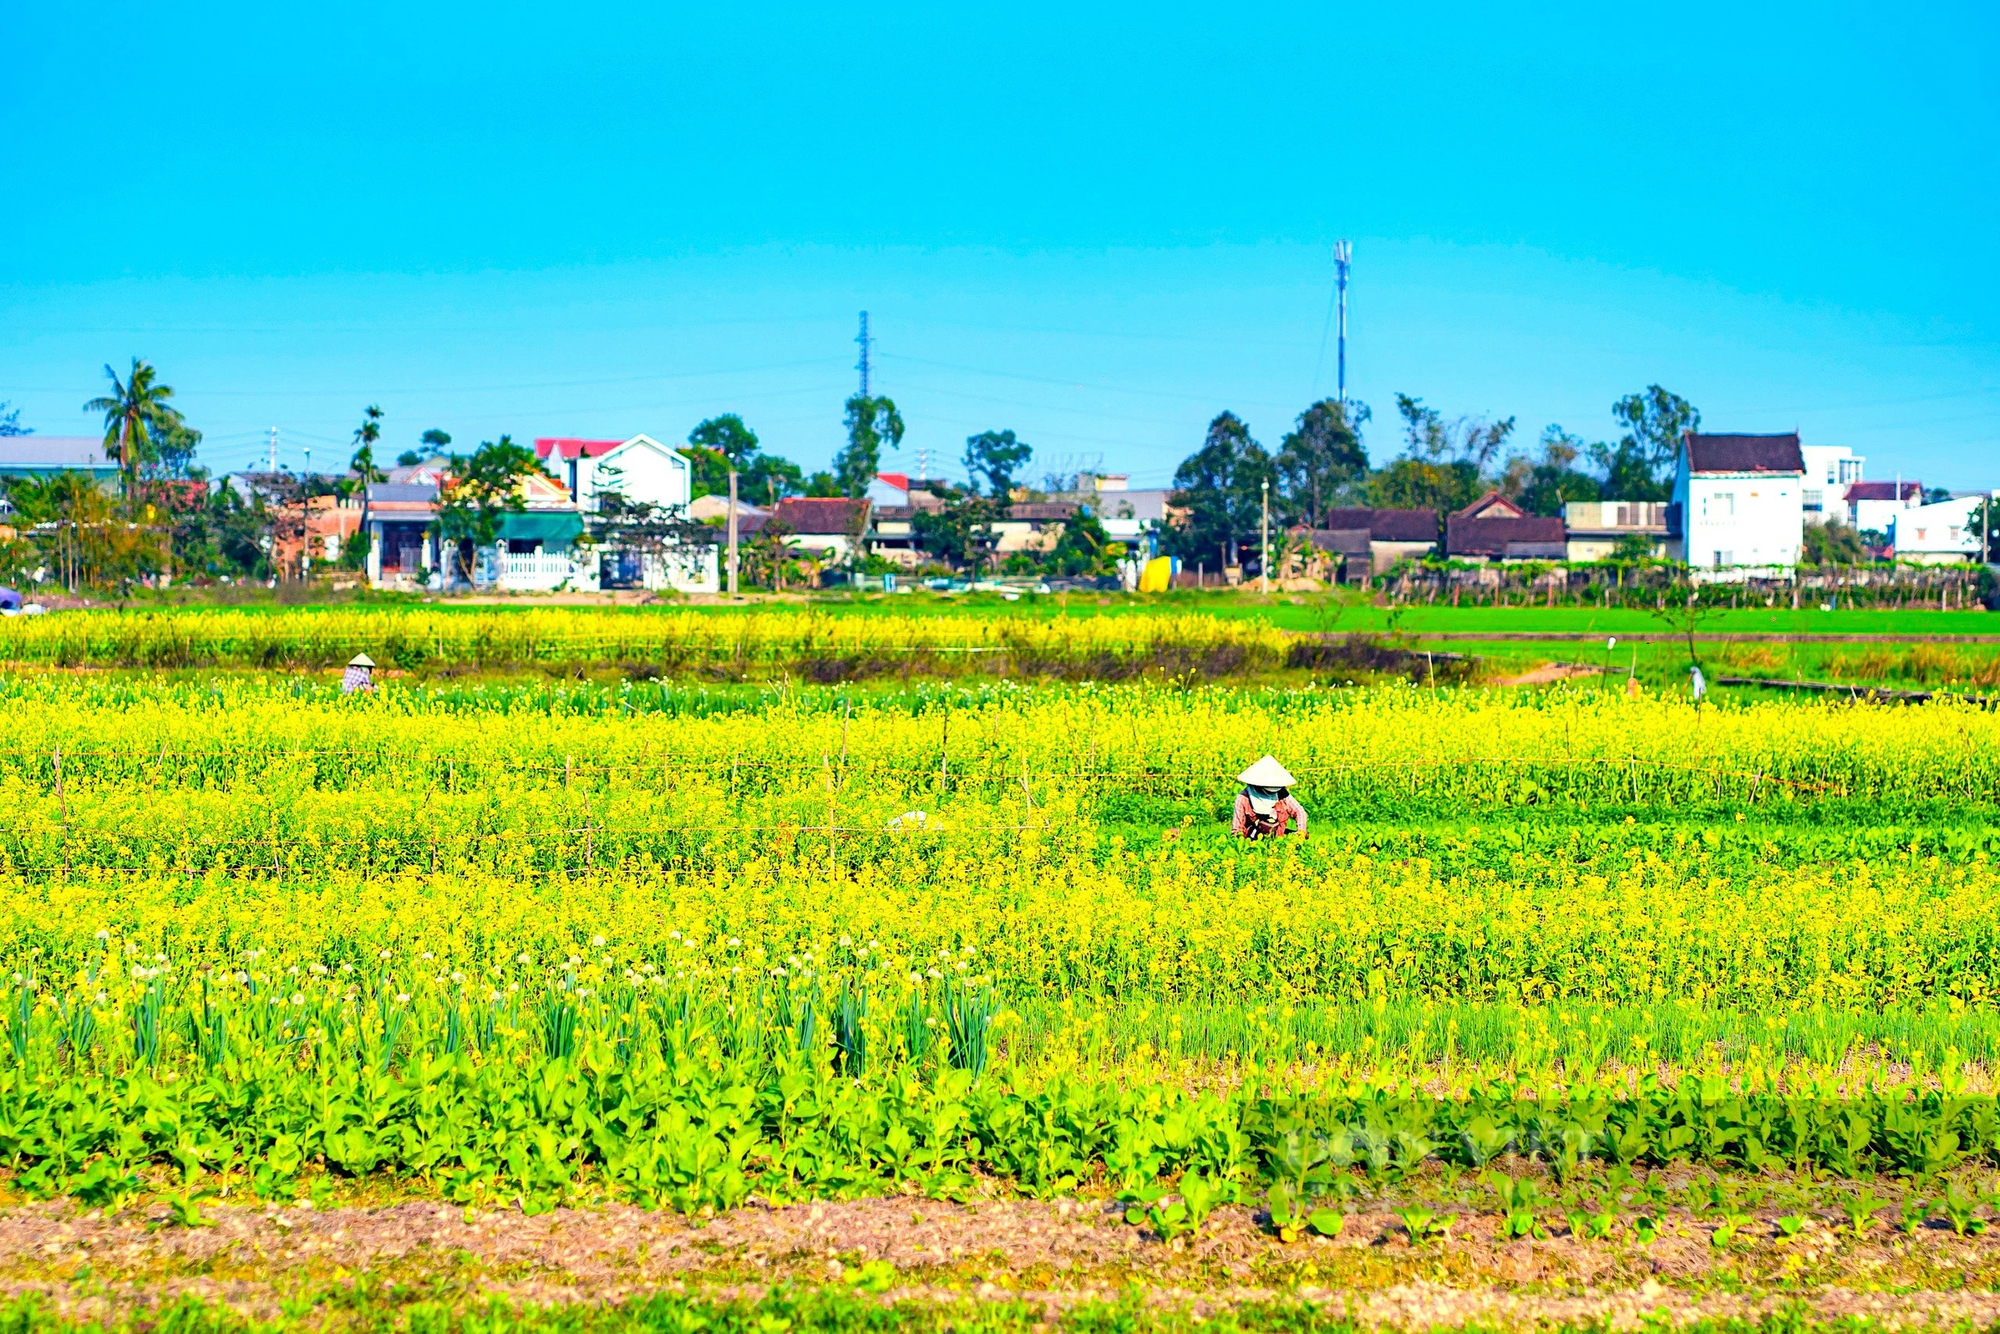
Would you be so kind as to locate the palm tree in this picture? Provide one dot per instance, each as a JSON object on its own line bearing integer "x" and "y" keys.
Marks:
{"x": 133, "y": 411}
{"x": 363, "y": 463}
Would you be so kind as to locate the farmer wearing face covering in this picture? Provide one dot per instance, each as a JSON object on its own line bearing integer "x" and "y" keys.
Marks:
{"x": 1265, "y": 805}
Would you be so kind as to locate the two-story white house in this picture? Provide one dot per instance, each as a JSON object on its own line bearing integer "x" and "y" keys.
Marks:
{"x": 641, "y": 469}
{"x": 1830, "y": 471}
{"x": 1737, "y": 506}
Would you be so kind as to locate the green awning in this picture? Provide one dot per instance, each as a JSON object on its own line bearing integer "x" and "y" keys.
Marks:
{"x": 554, "y": 529}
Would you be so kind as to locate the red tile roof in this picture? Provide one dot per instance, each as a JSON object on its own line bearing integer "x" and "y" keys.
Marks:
{"x": 570, "y": 447}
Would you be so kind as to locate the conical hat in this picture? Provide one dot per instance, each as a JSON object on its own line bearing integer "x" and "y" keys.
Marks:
{"x": 361, "y": 660}
{"x": 1266, "y": 772}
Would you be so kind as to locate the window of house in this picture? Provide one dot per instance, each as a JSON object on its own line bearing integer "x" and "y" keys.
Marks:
{"x": 1814, "y": 499}
{"x": 1724, "y": 558}
{"x": 1719, "y": 505}
{"x": 523, "y": 546}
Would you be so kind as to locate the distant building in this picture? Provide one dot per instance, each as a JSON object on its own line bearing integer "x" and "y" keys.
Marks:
{"x": 1946, "y": 533}
{"x": 1737, "y": 503}
{"x": 49, "y": 455}
{"x": 1338, "y": 555}
{"x": 1495, "y": 528}
{"x": 1830, "y": 471}
{"x": 641, "y": 469}
{"x": 401, "y": 549}
{"x": 1873, "y": 506}
{"x": 1595, "y": 527}
{"x": 832, "y": 529}
{"x": 1393, "y": 535}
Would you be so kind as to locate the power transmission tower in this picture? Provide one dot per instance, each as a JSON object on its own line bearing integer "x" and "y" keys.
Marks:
{"x": 274, "y": 451}
{"x": 1342, "y": 255}
{"x": 867, "y": 344}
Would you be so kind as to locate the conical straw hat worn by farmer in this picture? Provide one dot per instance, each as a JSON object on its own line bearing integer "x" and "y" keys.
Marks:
{"x": 1266, "y": 805}
{"x": 359, "y": 674}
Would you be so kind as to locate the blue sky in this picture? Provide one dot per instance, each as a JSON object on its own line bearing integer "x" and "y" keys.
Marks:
{"x": 1096, "y": 225}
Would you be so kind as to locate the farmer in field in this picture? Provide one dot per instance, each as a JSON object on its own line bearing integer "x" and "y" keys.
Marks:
{"x": 360, "y": 674}
{"x": 1266, "y": 805}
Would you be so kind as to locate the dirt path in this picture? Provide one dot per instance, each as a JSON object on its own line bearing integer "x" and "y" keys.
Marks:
{"x": 1054, "y": 1254}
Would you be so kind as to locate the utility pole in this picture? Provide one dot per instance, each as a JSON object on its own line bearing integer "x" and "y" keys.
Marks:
{"x": 1264, "y": 567}
{"x": 1343, "y": 253}
{"x": 732, "y": 532}
{"x": 866, "y": 344}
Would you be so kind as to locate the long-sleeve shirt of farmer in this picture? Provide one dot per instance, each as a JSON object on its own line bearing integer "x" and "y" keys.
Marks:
{"x": 1248, "y": 824}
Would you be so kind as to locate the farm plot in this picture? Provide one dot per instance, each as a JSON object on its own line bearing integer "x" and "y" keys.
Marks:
{"x": 1563, "y": 987}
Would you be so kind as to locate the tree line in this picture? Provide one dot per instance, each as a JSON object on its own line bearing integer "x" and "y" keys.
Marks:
{"x": 1443, "y": 463}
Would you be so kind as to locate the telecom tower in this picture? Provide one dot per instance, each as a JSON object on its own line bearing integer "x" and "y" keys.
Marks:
{"x": 1342, "y": 255}
{"x": 867, "y": 344}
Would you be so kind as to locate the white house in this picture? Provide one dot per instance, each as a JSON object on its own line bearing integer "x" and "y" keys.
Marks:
{"x": 1873, "y": 506}
{"x": 1737, "y": 504}
{"x": 641, "y": 469}
{"x": 1830, "y": 471}
{"x": 1946, "y": 533}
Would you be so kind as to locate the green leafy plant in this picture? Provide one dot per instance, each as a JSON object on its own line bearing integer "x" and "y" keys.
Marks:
{"x": 1860, "y": 1209}
{"x": 1421, "y": 1224}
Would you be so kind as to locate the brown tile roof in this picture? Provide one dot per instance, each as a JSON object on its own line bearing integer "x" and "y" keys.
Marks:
{"x": 1530, "y": 536}
{"x": 1042, "y": 510}
{"x": 821, "y": 517}
{"x": 1745, "y": 453}
{"x": 1339, "y": 541}
{"x": 1883, "y": 490}
{"x": 1387, "y": 525}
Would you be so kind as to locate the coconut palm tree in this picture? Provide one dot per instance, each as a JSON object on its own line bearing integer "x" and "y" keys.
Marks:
{"x": 133, "y": 411}
{"x": 363, "y": 465}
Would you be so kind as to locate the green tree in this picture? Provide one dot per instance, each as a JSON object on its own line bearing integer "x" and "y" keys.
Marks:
{"x": 1084, "y": 550}
{"x": 478, "y": 491}
{"x": 1543, "y": 484}
{"x": 174, "y": 446}
{"x": 435, "y": 440}
{"x": 1443, "y": 464}
{"x": 1641, "y": 465}
{"x": 871, "y": 423}
{"x": 721, "y": 444}
{"x": 10, "y": 421}
{"x": 962, "y": 530}
{"x": 366, "y": 474}
{"x": 1831, "y": 543}
{"x": 1321, "y": 458}
{"x": 1985, "y": 518}
{"x": 991, "y": 460}
{"x": 134, "y": 411}
{"x": 1220, "y": 487}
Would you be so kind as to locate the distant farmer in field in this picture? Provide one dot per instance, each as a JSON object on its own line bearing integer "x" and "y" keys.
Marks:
{"x": 360, "y": 674}
{"x": 1265, "y": 805}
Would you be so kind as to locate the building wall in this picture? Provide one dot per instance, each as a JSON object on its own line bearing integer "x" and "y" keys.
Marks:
{"x": 1941, "y": 533}
{"x": 648, "y": 472}
{"x": 1734, "y": 520}
{"x": 1830, "y": 469}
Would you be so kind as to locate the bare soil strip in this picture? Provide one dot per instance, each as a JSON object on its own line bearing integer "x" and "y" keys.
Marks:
{"x": 1055, "y": 1254}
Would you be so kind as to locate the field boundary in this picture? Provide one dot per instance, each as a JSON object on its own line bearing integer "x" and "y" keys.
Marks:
{"x": 1670, "y": 637}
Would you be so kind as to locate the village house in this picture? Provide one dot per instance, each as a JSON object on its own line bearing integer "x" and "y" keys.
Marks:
{"x": 1945, "y": 533}
{"x": 1594, "y": 528}
{"x": 1393, "y": 535}
{"x": 1737, "y": 505}
{"x": 830, "y": 529}
{"x": 1494, "y": 528}
{"x": 1874, "y": 506}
